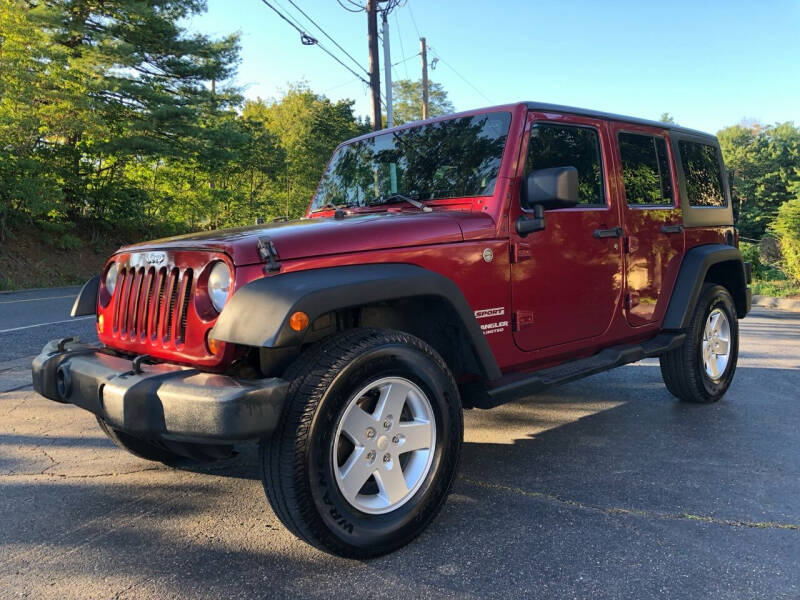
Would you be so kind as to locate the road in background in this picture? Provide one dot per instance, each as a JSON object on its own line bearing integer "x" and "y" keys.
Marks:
{"x": 604, "y": 488}
{"x": 29, "y": 319}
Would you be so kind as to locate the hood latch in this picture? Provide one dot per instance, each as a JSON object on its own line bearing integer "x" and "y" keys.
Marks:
{"x": 269, "y": 254}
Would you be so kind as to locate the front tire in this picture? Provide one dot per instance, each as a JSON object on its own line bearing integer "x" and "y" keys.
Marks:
{"x": 702, "y": 369}
{"x": 368, "y": 444}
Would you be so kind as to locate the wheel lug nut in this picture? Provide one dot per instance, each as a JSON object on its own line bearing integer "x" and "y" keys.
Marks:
{"x": 370, "y": 432}
{"x": 387, "y": 457}
{"x": 387, "y": 423}
{"x": 371, "y": 455}
{"x": 396, "y": 439}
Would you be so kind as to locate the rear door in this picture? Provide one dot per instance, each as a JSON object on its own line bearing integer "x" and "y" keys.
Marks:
{"x": 652, "y": 217}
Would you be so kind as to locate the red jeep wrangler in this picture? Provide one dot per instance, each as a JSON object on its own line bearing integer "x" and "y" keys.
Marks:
{"x": 455, "y": 263}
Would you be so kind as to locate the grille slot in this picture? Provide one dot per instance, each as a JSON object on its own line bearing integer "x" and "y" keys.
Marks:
{"x": 152, "y": 305}
{"x": 162, "y": 282}
{"x": 187, "y": 293}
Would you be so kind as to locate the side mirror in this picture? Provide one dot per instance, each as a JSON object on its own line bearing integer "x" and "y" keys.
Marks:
{"x": 551, "y": 188}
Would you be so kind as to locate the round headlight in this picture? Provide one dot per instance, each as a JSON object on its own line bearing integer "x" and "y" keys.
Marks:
{"x": 219, "y": 285}
{"x": 111, "y": 278}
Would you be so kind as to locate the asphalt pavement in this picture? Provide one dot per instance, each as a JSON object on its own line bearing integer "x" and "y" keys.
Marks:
{"x": 604, "y": 488}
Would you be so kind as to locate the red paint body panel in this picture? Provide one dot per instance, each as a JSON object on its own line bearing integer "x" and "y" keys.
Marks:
{"x": 653, "y": 257}
{"x": 566, "y": 287}
{"x": 588, "y": 269}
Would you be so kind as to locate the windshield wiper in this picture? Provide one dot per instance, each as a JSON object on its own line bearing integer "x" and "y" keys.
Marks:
{"x": 329, "y": 206}
{"x": 399, "y": 198}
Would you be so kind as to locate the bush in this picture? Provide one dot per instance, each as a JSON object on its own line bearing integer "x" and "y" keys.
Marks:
{"x": 787, "y": 228}
{"x": 751, "y": 254}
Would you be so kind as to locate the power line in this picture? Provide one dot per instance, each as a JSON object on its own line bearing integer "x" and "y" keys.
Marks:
{"x": 402, "y": 50}
{"x": 358, "y": 7}
{"x": 308, "y": 40}
{"x": 414, "y": 21}
{"x": 464, "y": 79}
{"x": 325, "y": 33}
{"x": 405, "y": 60}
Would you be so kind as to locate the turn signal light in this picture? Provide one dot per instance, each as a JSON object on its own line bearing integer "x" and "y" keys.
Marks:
{"x": 214, "y": 346}
{"x": 298, "y": 321}
{"x": 100, "y": 323}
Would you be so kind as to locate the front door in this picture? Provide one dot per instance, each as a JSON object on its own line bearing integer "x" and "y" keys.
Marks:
{"x": 567, "y": 278}
{"x": 652, "y": 220}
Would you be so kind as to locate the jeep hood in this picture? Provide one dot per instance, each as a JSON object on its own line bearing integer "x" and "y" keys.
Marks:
{"x": 324, "y": 236}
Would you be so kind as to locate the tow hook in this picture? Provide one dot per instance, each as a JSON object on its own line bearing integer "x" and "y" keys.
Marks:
{"x": 63, "y": 382}
{"x": 136, "y": 364}
{"x": 62, "y": 343}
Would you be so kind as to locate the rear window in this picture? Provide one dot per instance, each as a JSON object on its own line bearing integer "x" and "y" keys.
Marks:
{"x": 701, "y": 167}
{"x": 645, "y": 170}
{"x": 569, "y": 146}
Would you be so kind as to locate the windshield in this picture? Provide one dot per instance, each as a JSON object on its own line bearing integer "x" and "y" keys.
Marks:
{"x": 454, "y": 158}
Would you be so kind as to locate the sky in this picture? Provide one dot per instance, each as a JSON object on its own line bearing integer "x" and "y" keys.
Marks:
{"x": 708, "y": 63}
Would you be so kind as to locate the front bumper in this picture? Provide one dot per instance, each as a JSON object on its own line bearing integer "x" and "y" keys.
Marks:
{"x": 160, "y": 401}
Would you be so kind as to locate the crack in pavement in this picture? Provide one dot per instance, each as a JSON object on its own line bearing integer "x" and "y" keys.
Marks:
{"x": 553, "y": 499}
{"x": 66, "y": 476}
{"x": 53, "y": 461}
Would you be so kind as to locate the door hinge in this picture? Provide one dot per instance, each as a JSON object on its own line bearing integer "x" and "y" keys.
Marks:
{"x": 631, "y": 300}
{"x": 520, "y": 251}
{"x": 521, "y": 319}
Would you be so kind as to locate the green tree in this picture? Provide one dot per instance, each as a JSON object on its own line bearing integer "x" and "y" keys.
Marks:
{"x": 667, "y": 118}
{"x": 28, "y": 185}
{"x": 407, "y": 100}
{"x": 106, "y": 86}
{"x": 763, "y": 164}
{"x": 308, "y": 127}
{"x": 787, "y": 227}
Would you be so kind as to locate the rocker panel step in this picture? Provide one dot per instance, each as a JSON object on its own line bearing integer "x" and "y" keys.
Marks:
{"x": 516, "y": 386}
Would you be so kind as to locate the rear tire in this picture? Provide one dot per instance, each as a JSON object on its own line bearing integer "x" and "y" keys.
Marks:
{"x": 381, "y": 406}
{"x": 702, "y": 369}
{"x": 173, "y": 454}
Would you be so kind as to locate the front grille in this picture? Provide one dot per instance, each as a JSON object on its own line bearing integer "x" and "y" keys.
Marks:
{"x": 152, "y": 304}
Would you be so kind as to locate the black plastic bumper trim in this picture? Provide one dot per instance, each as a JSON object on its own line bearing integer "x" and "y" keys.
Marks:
{"x": 161, "y": 400}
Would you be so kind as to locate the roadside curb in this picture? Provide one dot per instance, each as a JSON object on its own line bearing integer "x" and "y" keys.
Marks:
{"x": 789, "y": 304}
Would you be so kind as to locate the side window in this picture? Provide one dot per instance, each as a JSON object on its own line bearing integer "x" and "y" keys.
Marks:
{"x": 703, "y": 178}
{"x": 645, "y": 170}
{"x": 569, "y": 146}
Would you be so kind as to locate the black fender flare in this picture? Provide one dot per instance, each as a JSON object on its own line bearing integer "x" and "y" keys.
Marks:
{"x": 694, "y": 269}
{"x": 258, "y": 313}
{"x": 86, "y": 302}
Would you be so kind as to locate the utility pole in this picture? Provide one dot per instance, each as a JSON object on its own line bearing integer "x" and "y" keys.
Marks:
{"x": 387, "y": 70}
{"x": 423, "y": 51}
{"x": 374, "y": 69}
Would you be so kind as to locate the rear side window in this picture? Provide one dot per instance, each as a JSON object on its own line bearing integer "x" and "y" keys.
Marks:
{"x": 702, "y": 171}
{"x": 569, "y": 146}
{"x": 645, "y": 170}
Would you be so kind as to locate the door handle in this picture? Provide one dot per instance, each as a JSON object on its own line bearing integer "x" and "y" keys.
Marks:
{"x": 671, "y": 229}
{"x": 614, "y": 232}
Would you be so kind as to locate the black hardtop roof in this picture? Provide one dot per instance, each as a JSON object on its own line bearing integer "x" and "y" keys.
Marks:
{"x": 542, "y": 107}
{"x": 573, "y": 110}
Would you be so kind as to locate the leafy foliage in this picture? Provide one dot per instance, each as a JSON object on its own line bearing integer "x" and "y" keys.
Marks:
{"x": 407, "y": 100}
{"x": 667, "y": 118}
{"x": 308, "y": 127}
{"x": 112, "y": 115}
{"x": 763, "y": 165}
{"x": 787, "y": 227}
